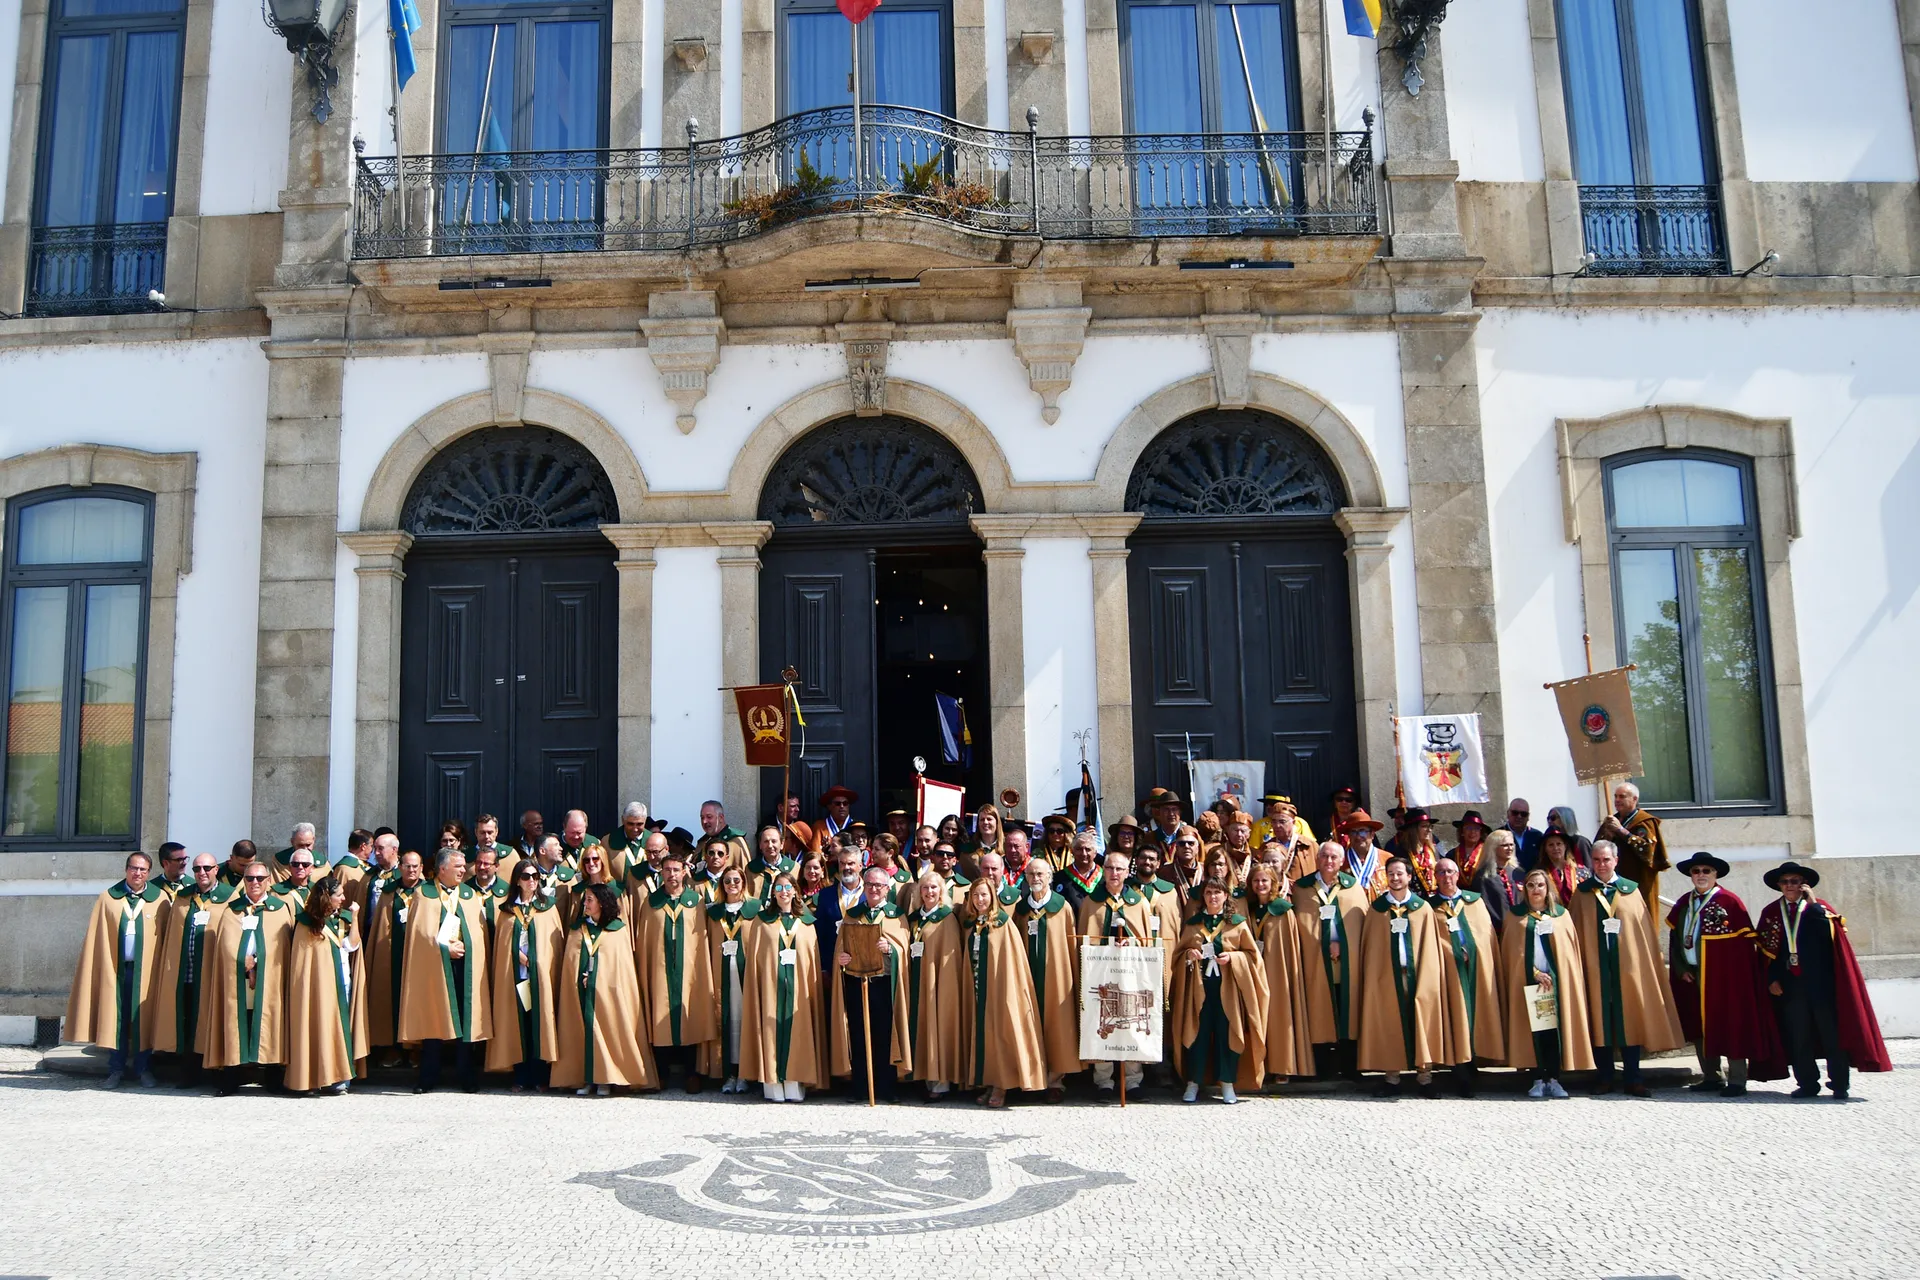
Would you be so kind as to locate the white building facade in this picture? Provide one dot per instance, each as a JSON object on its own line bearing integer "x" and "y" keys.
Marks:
{"x": 1243, "y": 399}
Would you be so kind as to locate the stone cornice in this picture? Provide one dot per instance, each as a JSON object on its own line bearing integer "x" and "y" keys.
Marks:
{"x": 1004, "y": 529}
{"x": 638, "y": 538}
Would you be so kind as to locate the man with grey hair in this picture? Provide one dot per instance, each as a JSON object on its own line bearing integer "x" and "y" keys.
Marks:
{"x": 574, "y": 836}
{"x": 1630, "y": 1006}
{"x": 713, "y": 822}
{"x": 1636, "y": 833}
{"x": 281, "y": 863}
{"x": 624, "y": 844}
{"x": 443, "y": 983}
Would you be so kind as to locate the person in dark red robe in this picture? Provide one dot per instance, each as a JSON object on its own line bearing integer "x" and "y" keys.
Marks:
{"x": 1719, "y": 982}
{"x": 1819, "y": 997}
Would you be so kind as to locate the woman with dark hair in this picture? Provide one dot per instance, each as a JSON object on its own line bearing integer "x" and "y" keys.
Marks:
{"x": 453, "y": 835}
{"x": 951, "y": 832}
{"x": 728, "y": 918}
{"x": 1219, "y": 1016}
{"x": 783, "y": 1031}
{"x": 599, "y": 1023}
{"x": 1289, "y": 1043}
{"x": 811, "y": 877}
{"x": 528, "y": 937}
{"x": 1000, "y": 1036}
{"x": 326, "y": 1006}
{"x": 1560, "y": 861}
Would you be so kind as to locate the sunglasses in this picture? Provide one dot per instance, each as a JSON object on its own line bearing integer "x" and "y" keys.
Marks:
{"x": 254, "y": 879}
{"x": 1519, "y": 813}
{"x": 300, "y": 864}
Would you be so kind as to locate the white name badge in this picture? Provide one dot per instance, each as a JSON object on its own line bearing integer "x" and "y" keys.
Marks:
{"x": 1398, "y": 926}
{"x": 1033, "y": 928}
{"x": 199, "y": 919}
{"x": 249, "y": 923}
{"x": 1206, "y": 950}
{"x": 1329, "y": 910}
{"x": 1610, "y": 926}
{"x": 1153, "y": 926}
{"x": 790, "y": 957}
{"x": 916, "y": 949}
{"x": 1545, "y": 927}
{"x": 729, "y": 948}
{"x": 401, "y": 915}
{"x": 1453, "y": 923}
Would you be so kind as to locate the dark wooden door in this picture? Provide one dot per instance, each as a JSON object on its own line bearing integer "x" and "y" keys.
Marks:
{"x": 1242, "y": 649}
{"x": 816, "y": 616}
{"x": 509, "y": 663}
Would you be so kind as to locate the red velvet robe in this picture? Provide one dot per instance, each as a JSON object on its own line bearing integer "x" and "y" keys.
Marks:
{"x": 1852, "y": 1010}
{"x": 1723, "y": 1005}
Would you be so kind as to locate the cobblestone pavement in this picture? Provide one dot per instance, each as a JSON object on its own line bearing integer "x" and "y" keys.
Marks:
{"x": 168, "y": 1183}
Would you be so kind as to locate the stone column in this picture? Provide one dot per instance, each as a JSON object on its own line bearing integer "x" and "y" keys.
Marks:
{"x": 1104, "y": 77}
{"x": 1369, "y": 533}
{"x": 634, "y": 750}
{"x": 740, "y": 545}
{"x": 1112, "y": 656}
{"x": 1006, "y": 647}
{"x": 376, "y": 730}
{"x": 759, "y": 79}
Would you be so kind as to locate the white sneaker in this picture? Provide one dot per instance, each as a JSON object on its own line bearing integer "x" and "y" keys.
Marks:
{"x": 605, "y": 1091}
{"x": 1555, "y": 1090}
{"x": 1227, "y": 1095}
{"x": 1192, "y": 1094}
{"x": 584, "y": 1091}
{"x": 1539, "y": 1089}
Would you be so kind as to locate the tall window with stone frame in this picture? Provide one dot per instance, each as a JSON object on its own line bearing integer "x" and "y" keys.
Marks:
{"x": 73, "y": 629}
{"x": 1690, "y": 613}
{"x": 109, "y": 125}
{"x": 522, "y": 124}
{"x": 1641, "y": 125}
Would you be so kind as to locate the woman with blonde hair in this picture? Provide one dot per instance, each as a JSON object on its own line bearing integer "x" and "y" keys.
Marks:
{"x": 1542, "y": 951}
{"x": 783, "y": 1030}
{"x": 1000, "y": 1039}
{"x": 1276, "y": 937}
{"x": 933, "y": 958}
{"x": 600, "y": 1039}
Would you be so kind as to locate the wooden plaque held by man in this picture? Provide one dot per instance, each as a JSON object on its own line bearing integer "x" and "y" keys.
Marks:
{"x": 861, "y": 941}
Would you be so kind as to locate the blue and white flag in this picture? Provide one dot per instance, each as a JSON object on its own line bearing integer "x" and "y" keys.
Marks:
{"x": 956, "y": 744}
{"x": 403, "y": 19}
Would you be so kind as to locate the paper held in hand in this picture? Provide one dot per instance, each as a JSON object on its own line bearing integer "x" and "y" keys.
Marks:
{"x": 1543, "y": 1011}
{"x": 1121, "y": 994}
{"x": 449, "y": 925}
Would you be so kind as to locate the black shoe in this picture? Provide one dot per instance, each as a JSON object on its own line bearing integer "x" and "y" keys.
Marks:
{"x": 1806, "y": 1091}
{"x": 1839, "y": 1095}
{"x": 1429, "y": 1090}
{"x": 1600, "y": 1088}
{"x": 1710, "y": 1084}
{"x": 1734, "y": 1091}
{"x": 421, "y": 1088}
{"x": 1637, "y": 1091}
{"x": 1386, "y": 1089}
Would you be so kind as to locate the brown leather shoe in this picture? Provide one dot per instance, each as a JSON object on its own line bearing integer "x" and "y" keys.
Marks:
{"x": 1637, "y": 1091}
{"x": 695, "y": 1082}
{"x": 1056, "y": 1094}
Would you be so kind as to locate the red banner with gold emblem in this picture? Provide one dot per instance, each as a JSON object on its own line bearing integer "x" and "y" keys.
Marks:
{"x": 763, "y": 723}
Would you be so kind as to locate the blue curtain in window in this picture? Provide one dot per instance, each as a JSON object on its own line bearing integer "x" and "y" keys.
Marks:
{"x": 1596, "y": 92}
{"x": 906, "y": 69}
{"x": 78, "y": 137}
{"x": 144, "y": 181}
{"x": 1163, "y": 44}
{"x": 479, "y": 122}
{"x": 819, "y": 61}
{"x": 1262, "y": 30}
{"x": 566, "y": 117}
{"x": 1664, "y": 48}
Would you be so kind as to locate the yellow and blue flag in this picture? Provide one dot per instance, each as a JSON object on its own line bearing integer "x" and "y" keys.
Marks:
{"x": 1363, "y": 18}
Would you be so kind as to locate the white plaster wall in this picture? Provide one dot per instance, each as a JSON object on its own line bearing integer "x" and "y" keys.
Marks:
{"x": 1356, "y": 74}
{"x": 380, "y": 399}
{"x": 372, "y": 79}
{"x": 249, "y": 106}
{"x": 1056, "y": 602}
{"x": 994, "y": 30}
{"x": 687, "y": 702}
{"x": 1820, "y": 100}
{"x": 9, "y": 64}
{"x": 1848, "y": 383}
{"x": 1073, "y": 47}
{"x": 208, "y": 398}
{"x": 1493, "y": 116}
{"x": 342, "y": 814}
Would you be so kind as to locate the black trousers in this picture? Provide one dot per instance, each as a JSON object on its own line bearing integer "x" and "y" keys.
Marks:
{"x": 1338, "y": 1059}
{"x": 530, "y": 1073}
{"x": 684, "y": 1056}
{"x": 1629, "y": 1059}
{"x": 1812, "y": 1032}
{"x": 466, "y": 1063}
{"x": 877, "y": 1039}
{"x": 1546, "y": 1055}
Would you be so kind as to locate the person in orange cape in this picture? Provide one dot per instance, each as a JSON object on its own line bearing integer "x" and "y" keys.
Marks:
{"x": 1001, "y": 1040}
{"x": 1219, "y": 1018}
{"x": 528, "y": 937}
{"x": 109, "y": 1004}
{"x": 1719, "y": 982}
{"x": 598, "y": 1022}
{"x": 1046, "y": 927}
{"x": 1819, "y": 995}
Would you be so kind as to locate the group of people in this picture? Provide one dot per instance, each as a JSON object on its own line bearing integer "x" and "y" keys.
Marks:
{"x": 947, "y": 958}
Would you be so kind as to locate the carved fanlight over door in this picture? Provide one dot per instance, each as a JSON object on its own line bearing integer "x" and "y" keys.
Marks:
{"x": 1240, "y": 463}
{"x": 510, "y": 480}
{"x": 875, "y": 470}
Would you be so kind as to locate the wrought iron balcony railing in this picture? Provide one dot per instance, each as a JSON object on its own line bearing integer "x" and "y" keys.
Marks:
{"x": 890, "y": 159}
{"x": 1653, "y": 231}
{"x": 99, "y": 270}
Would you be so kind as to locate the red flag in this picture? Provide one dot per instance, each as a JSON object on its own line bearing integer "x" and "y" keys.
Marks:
{"x": 858, "y": 11}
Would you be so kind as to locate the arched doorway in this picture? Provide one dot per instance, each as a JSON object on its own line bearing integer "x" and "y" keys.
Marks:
{"x": 873, "y": 589}
{"x": 1238, "y": 596}
{"x": 508, "y": 635}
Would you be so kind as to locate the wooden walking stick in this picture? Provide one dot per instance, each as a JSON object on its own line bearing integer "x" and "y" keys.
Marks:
{"x": 866, "y": 1030}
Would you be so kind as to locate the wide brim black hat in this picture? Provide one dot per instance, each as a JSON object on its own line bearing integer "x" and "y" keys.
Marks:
{"x": 1720, "y": 866}
{"x": 1791, "y": 868}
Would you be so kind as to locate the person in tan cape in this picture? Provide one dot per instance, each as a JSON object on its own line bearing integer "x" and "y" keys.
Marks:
{"x": 443, "y": 991}
{"x": 1541, "y": 948}
{"x": 870, "y": 948}
{"x": 243, "y": 998}
{"x": 110, "y": 1002}
{"x": 768, "y": 861}
{"x": 528, "y": 937}
{"x": 599, "y": 1014}
{"x": 715, "y": 857}
{"x": 1002, "y": 1045}
{"x": 326, "y": 993}
{"x": 1329, "y": 908}
{"x": 1046, "y": 928}
{"x": 184, "y": 934}
{"x": 1218, "y": 1023}
{"x": 783, "y": 1022}
{"x": 1119, "y": 915}
{"x": 1405, "y": 1001}
{"x": 933, "y": 959}
{"x": 1628, "y": 998}
{"x": 1288, "y": 1036}
{"x": 280, "y": 865}
{"x": 677, "y": 999}
{"x": 385, "y": 926}
{"x": 727, "y": 919}
{"x": 1474, "y": 976}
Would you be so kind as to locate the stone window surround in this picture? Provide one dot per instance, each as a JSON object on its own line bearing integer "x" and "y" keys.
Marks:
{"x": 729, "y": 520}
{"x": 1584, "y": 445}
{"x": 1566, "y": 239}
{"x": 169, "y": 478}
{"x": 16, "y": 209}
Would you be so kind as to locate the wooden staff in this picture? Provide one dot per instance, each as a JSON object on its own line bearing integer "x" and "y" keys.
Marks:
{"x": 866, "y": 1030}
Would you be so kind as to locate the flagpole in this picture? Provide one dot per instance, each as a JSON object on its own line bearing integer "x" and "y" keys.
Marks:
{"x": 859, "y": 147}
{"x": 399, "y": 152}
